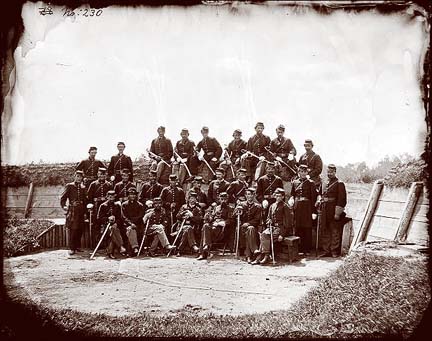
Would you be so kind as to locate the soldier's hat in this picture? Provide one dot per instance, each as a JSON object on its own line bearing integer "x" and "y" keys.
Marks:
{"x": 270, "y": 165}
{"x": 125, "y": 171}
{"x": 220, "y": 170}
{"x": 193, "y": 194}
{"x": 173, "y": 177}
{"x": 161, "y": 128}
{"x": 204, "y": 129}
{"x": 157, "y": 199}
{"x": 92, "y": 148}
{"x": 111, "y": 192}
{"x": 303, "y": 167}
{"x": 280, "y": 127}
{"x": 223, "y": 195}
{"x": 153, "y": 172}
{"x": 331, "y": 166}
{"x": 242, "y": 170}
{"x": 132, "y": 190}
{"x": 237, "y": 131}
{"x": 184, "y": 130}
{"x": 198, "y": 178}
{"x": 79, "y": 172}
{"x": 251, "y": 189}
{"x": 308, "y": 141}
{"x": 279, "y": 191}
{"x": 121, "y": 144}
{"x": 259, "y": 124}
{"x": 102, "y": 170}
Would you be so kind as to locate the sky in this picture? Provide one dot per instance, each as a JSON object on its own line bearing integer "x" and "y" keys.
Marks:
{"x": 350, "y": 82}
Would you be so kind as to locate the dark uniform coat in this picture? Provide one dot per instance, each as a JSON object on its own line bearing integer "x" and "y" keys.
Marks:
{"x": 195, "y": 220}
{"x": 97, "y": 191}
{"x": 76, "y": 194}
{"x": 162, "y": 147}
{"x": 121, "y": 189}
{"x": 266, "y": 186}
{"x": 315, "y": 165}
{"x": 201, "y": 196}
{"x": 281, "y": 219}
{"x": 90, "y": 168}
{"x": 282, "y": 147}
{"x": 251, "y": 214}
{"x": 211, "y": 148}
{"x": 234, "y": 148}
{"x": 257, "y": 143}
{"x": 171, "y": 195}
{"x": 150, "y": 191}
{"x": 333, "y": 194}
{"x": 156, "y": 216}
{"x": 132, "y": 212}
{"x": 214, "y": 189}
{"x": 108, "y": 209}
{"x": 237, "y": 190}
{"x": 117, "y": 164}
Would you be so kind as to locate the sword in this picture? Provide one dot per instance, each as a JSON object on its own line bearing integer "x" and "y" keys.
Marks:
{"x": 183, "y": 163}
{"x": 157, "y": 157}
{"x": 244, "y": 151}
{"x": 317, "y": 231}
{"x": 177, "y": 236}
{"x": 229, "y": 157}
{"x": 271, "y": 242}
{"x": 281, "y": 161}
{"x": 100, "y": 241}
{"x": 142, "y": 242}
{"x": 238, "y": 236}
{"x": 207, "y": 164}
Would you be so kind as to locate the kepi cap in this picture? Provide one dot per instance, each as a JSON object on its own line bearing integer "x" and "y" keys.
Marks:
{"x": 331, "y": 166}
{"x": 102, "y": 170}
{"x": 259, "y": 124}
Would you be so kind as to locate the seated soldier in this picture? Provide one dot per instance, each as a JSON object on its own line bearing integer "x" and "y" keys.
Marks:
{"x": 201, "y": 195}
{"x": 132, "y": 213}
{"x": 217, "y": 186}
{"x": 161, "y": 152}
{"x": 109, "y": 213}
{"x": 190, "y": 215}
{"x": 217, "y": 220}
{"x": 232, "y": 155}
{"x": 267, "y": 184}
{"x": 156, "y": 221}
{"x": 237, "y": 189}
{"x": 250, "y": 221}
{"x": 150, "y": 190}
{"x": 279, "y": 219}
{"x": 121, "y": 188}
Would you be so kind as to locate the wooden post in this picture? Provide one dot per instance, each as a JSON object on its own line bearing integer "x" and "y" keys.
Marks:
{"x": 415, "y": 191}
{"x": 29, "y": 201}
{"x": 365, "y": 225}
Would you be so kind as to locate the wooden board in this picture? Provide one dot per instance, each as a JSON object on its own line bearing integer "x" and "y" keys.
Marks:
{"x": 384, "y": 227}
{"x": 418, "y": 233}
{"x": 390, "y": 209}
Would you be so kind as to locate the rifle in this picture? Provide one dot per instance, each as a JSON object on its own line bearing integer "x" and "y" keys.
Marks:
{"x": 183, "y": 163}
{"x": 177, "y": 236}
{"x": 281, "y": 161}
{"x": 142, "y": 242}
{"x": 100, "y": 241}
{"x": 157, "y": 157}
{"x": 207, "y": 164}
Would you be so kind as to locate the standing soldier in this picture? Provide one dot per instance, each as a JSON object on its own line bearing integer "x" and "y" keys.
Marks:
{"x": 313, "y": 162}
{"x": 75, "y": 193}
{"x": 256, "y": 145}
{"x": 190, "y": 216}
{"x": 161, "y": 151}
{"x": 110, "y": 213}
{"x": 250, "y": 221}
{"x": 267, "y": 184}
{"x": 279, "y": 218}
{"x": 118, "y": 163}
{"x": 332, "y": 199}
{"x": 121, "y": 188}
{"x": 201, "y": 196}
{"x": 150, "y": 190}
{"x": 303, "y": 198}
{"x": 217, "y": 220}
{"x": 185, "y": 156}
{"x": 217, "y": 186}
{"x": 173, "y": 198}
{"x": 232, "y": 156}
{"x": 212, "y": 151}
{"x": 132, "y": 214}
{"x": 237, "y": 189}
{"x": 90, "y": 167}
{"x": 283, "y": 152}
{"x": 156, "y": 219}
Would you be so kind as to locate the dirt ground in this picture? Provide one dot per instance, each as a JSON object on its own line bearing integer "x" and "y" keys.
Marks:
{"x": 221, "y": 285}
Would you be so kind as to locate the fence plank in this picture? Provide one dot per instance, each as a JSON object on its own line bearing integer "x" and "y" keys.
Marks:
{"x": 29, "y": 200}
{"x": 404, "y": 222}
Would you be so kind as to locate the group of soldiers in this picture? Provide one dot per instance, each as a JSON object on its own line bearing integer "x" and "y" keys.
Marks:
{"x": 258, "y": 194}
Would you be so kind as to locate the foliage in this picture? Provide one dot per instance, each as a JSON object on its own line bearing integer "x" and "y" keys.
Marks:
{"x": 369, "y": 295}
{"x": 19, "y": 233}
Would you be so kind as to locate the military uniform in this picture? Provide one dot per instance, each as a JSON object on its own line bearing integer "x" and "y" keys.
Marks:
{"x": 97, "y": 192}
{"x": 212, "y": 149}
{"x": 250, "y": 221}
{"x": 90, "y": 168}
{"x": 75, "y": 193}
{"x": 234, "y": 150}
{"x": 314, "y": 163}
{"x": 305, "y": 194}
{"x": 150, "y": 191}
{"x": 333, "y": 200}
{"x": 132, "y": 214}
{"x": 215, "y": 188}
{"x": 282, "y": 147}
{"x": 162, "y": 147}
{"x": 191, "y": 225}
{"x": 121, "y": 190}
{"x": 200, "y": 195}
{"x": 157, "y": 221}
{"x": 237, "y": 190}
{"x": 186, "y": 150}
{"x": 107, "y": 209}
{"x": 266, "y": 186}
{"x": 256, "y": 145}
{"x": 170, "y": 195}
{"x": 117, "y": 164}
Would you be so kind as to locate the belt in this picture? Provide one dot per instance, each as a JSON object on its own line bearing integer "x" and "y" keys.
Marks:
{"x": 118, "y": 171}
{"x": 76, "y": 203}
{"x": 302, "y": 199}
{"x": 268, "y": 196}
{"x": 329, "y": 199}
{"x": 99, "y": 199}
{"x": 282, "y": 154}
{"x": 209, "y": 153}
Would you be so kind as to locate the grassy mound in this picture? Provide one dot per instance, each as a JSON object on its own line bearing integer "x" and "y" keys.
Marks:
{"x": 21, "y": 232}
{"x": 369, "y": 295}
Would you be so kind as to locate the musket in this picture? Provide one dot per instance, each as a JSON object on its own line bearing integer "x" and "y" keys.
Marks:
{"x": 142, "y": 241}
{"x": 281, "y": 161}
{"x": 100, "y": 241}
{"x": 177, "y": 236}
{"x": 229, "y": 157}
{"x": 207, "y": 164}
{"x": 183, "y": 163}
{"x": 157, "y": 156}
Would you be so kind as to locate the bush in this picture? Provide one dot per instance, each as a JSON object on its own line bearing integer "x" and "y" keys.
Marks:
{"x": 404, "y": 174}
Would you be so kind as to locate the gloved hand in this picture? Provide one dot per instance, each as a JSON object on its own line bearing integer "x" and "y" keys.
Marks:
{"x": 173, "y": 205}
{"x": 314, "y": 216}
{"x": 243, "y": 156}
{"x": 118, "y": 202}
{"x": 90, "y": 206}
{"x": 158, "y": 158}
{"x": 149, "y": 203}
{"x": 280, "y": 238}
{"x": 290, "y": 156}
{"x": 278, "y": 158}
{"x": 261, "y": 158}
{"x": 184, "y": 160}
{"x": 111, "y": 219}
{"x": 291, "y": 202}
{"x": 65, "y": 208}
{"x": 264, "y": 203}
{"x": 112, "y": 178}
{"x": 200, "y": 157}
{"x": 228, "y": 162}
{"x": 178, "y": 160}
{"x": 214, "y": 159}
{"x": 308, "y": 177}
